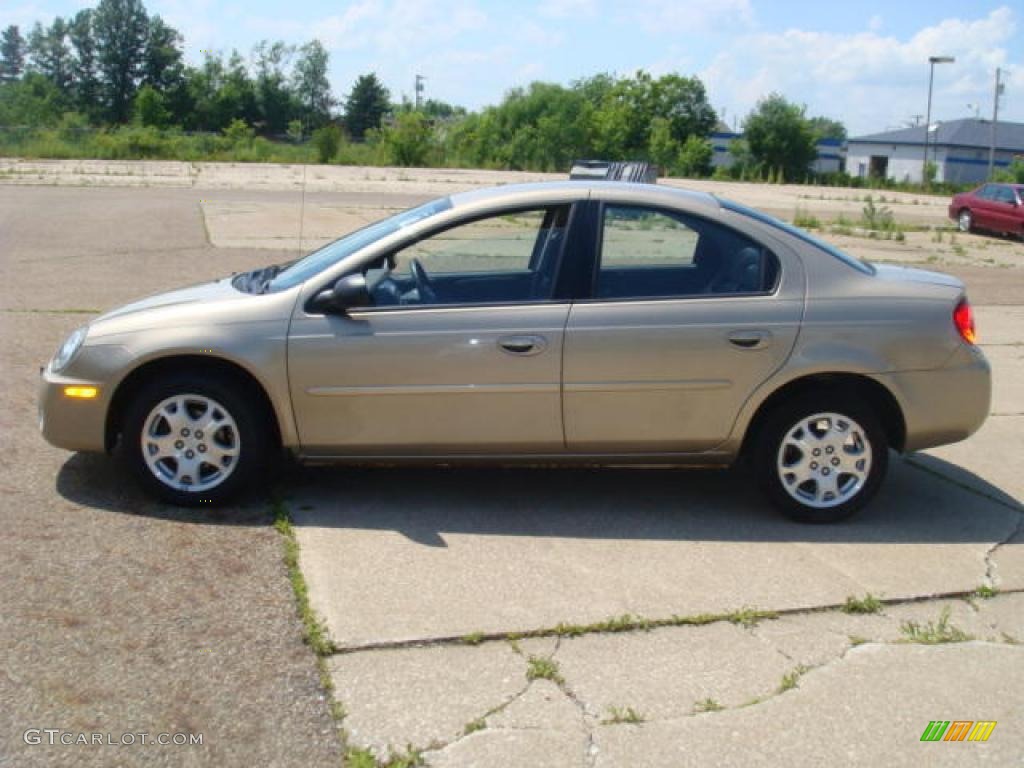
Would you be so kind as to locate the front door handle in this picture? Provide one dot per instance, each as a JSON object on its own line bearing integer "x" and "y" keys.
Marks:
{"x": 750, "y": 339}
{"x": 523, "y": 345}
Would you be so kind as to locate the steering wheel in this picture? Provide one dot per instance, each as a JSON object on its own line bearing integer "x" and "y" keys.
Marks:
{"x": 424, "y": 285}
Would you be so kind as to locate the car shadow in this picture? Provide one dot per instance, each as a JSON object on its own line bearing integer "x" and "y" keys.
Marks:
{"x": 940, "y": 503}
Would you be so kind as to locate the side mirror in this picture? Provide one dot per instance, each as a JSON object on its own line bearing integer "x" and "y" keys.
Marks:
{"x": 350, "y": 291}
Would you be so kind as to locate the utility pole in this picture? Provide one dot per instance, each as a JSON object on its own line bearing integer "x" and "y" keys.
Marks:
{"x": 995, "y": 119}
{"x": 418, "y": 88}
{"x": 932, "y": 60}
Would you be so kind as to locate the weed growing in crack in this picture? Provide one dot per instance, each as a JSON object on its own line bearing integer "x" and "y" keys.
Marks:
{"x": 791, "y": 679}
{"x": 314, "y": 629}
{"x": 357, "y": 757}
{"x": 474, "y": 725}
{"x": 543, "y": 668}
{"x": 934, "y": 633}
{"x": 707, "y": 705}
{"x": 867, "y": 604}
{"x": 619, "y": 715}
{"x": 986, "y": 592}
{"x": 856, "y": 640}
{"x": 749, "y": 617}
{"x": 473, "y": 638}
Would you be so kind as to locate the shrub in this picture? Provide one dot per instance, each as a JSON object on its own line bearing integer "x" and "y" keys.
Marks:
{"x": 327, "y": 141}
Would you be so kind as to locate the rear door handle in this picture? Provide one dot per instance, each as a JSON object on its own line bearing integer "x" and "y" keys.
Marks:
{"x": 750, "y": 339}
{"x": 523, "y": 345}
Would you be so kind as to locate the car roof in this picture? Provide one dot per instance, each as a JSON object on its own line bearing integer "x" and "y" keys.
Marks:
{"x": 566, "y": 191}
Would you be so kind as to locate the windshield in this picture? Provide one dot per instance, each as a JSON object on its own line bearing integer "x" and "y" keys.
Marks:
{"x": 331, "y": 253}
{"x": 764, "y": 218}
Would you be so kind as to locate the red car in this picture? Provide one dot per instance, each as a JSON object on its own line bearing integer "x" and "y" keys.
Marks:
{"x": 993, "y": 207}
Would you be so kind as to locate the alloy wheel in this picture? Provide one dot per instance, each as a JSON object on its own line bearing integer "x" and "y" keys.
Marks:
{"x": 190, "y": 443}
{"x": 824, "y": 460}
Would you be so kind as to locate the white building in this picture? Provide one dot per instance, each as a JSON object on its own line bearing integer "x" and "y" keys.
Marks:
{"x": 959, "y": 149}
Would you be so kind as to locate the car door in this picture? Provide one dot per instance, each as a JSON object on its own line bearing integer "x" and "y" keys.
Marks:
{"x": 686, "y": 318}
{"x": 460, "y": 352}
{"x": 1004, "y": 209}
{"x": 983, "y": 210}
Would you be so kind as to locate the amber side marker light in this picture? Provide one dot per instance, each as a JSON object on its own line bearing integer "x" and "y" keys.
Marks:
{"x": 82, "y": 393}
{"x": 963, "y": 319}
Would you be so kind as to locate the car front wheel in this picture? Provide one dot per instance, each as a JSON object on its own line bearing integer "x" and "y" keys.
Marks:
{"x": 964, "y": 221}
{"x": 194, "y": 440}
{"x": 821, "y": 459}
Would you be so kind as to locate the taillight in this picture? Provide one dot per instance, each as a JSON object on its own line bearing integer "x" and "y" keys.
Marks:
{"x": 963, "y": 319}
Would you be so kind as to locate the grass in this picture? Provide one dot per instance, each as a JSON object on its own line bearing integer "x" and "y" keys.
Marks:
{"x": 474, "y": 725}
{"x": 934, "y": 633}
{"x": 858, "y": 640}
{"x": 357, "y": 757}
{"x": 986, "y": 592}
{"x": 620, "y": 715}
{"x": 543, "y": 668}
{"x": 473, "y": 638}
{"x": 791, "y": 679}
{"x": 707, "y": 705}
{"x": 867, "y": 604}
{"x": 314, "y": 630}
{"x": 805, "y": 220}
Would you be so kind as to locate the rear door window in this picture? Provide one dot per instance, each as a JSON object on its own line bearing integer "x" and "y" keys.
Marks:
{"x": 655, "y": 253}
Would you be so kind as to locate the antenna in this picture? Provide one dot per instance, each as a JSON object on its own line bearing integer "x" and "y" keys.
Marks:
{"x": 302, "y": 206}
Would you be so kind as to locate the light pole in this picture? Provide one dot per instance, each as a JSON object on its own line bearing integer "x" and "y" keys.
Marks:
{"x": 418, "y": 88}
{"x": 932, "y": 60}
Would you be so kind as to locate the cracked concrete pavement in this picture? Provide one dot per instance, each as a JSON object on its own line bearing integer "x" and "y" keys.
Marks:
{"x": 422, "y": 560}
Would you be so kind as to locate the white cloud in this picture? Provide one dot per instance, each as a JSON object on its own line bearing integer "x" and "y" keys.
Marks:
{"x": 659, "y": 17}
{"x": 869, "y": 80}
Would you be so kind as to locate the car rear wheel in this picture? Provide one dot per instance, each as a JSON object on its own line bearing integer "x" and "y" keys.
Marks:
{"x": 193, "y": 440}
{"x": 821, "y": 459}
{"x": 964, "y": 221}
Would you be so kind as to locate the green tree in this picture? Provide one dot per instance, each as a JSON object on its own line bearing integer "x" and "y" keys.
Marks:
{"x": 12, "y": 54}
{"x": 827, "y": 128}
{"x": 1013, "y": 174}
{"x": 366, "y": 105}
{"x": 49, "y": 54}
{"x": 695, "y": 157}
{"x": 239, "y": 133}
{"x": 85, "y": 84}
{"x": 663, "y": 149}
{"x": 408, "y": 141}
{"x": 31, "y": 101}
{"x": 151, "y": 107}
{"x": 219, "y": 92}
{"x": 277, "y": 103}
{"x": 780, "y": 138}
{"x": 162, "y": 65}
{"x": 311, "y": 85}
{"x": 327, "y": 140}
{"x": 120, "y": 28}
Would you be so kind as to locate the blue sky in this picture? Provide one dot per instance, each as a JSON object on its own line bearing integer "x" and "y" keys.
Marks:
{"x": 864, "y": 63}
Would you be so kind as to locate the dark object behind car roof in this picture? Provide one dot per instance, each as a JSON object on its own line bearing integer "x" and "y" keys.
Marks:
{"x": 614, "y": 170}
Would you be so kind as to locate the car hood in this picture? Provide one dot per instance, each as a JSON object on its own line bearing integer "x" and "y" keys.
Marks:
{"x": 213, "y": 291}
{"x": 892, "y": 273}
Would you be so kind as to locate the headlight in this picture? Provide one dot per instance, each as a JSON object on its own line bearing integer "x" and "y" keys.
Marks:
{"x": 68, "y": 349}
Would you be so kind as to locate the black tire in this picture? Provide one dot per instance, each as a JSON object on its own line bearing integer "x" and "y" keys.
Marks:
{"x": 965, "y": 220}
{"x": 769, "y": 465}
{"x": 252, "y": 440}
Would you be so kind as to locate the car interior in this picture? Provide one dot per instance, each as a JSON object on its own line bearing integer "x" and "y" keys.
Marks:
{"x": 676, "y": 256}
